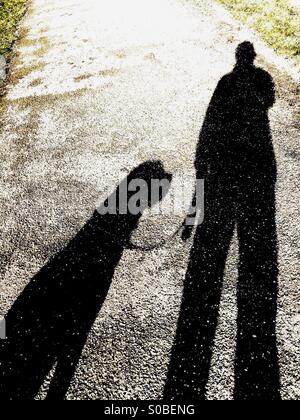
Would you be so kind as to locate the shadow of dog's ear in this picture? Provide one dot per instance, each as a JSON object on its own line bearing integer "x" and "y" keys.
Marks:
{"x": 164, "y": 178}
{"x": 168, "y": 176}
{"x": 159, "y": 172}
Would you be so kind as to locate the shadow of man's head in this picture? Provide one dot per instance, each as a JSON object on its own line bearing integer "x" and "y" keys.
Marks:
{"x": 245, "y": 54}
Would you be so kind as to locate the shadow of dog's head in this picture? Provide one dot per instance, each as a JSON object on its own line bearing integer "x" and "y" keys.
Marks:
{"x": 148, "y": 184}
{"x": 145, "y": 186}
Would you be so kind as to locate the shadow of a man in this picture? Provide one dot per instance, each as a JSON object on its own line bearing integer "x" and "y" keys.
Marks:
{"x": 49, "y": 323}
{"x": 235, "y": 157}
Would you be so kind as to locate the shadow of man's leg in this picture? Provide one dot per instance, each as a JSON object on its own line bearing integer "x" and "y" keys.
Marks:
{"x": 192, "y": 351}
{"x": 257, "y": 369}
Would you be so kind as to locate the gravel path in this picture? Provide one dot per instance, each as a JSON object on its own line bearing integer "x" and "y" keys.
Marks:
{"x": 97, "y": 88}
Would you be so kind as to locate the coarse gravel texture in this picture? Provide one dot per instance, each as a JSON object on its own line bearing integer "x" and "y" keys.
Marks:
{"x": 2, "y": 69}
{"x": 96, "y": 88}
